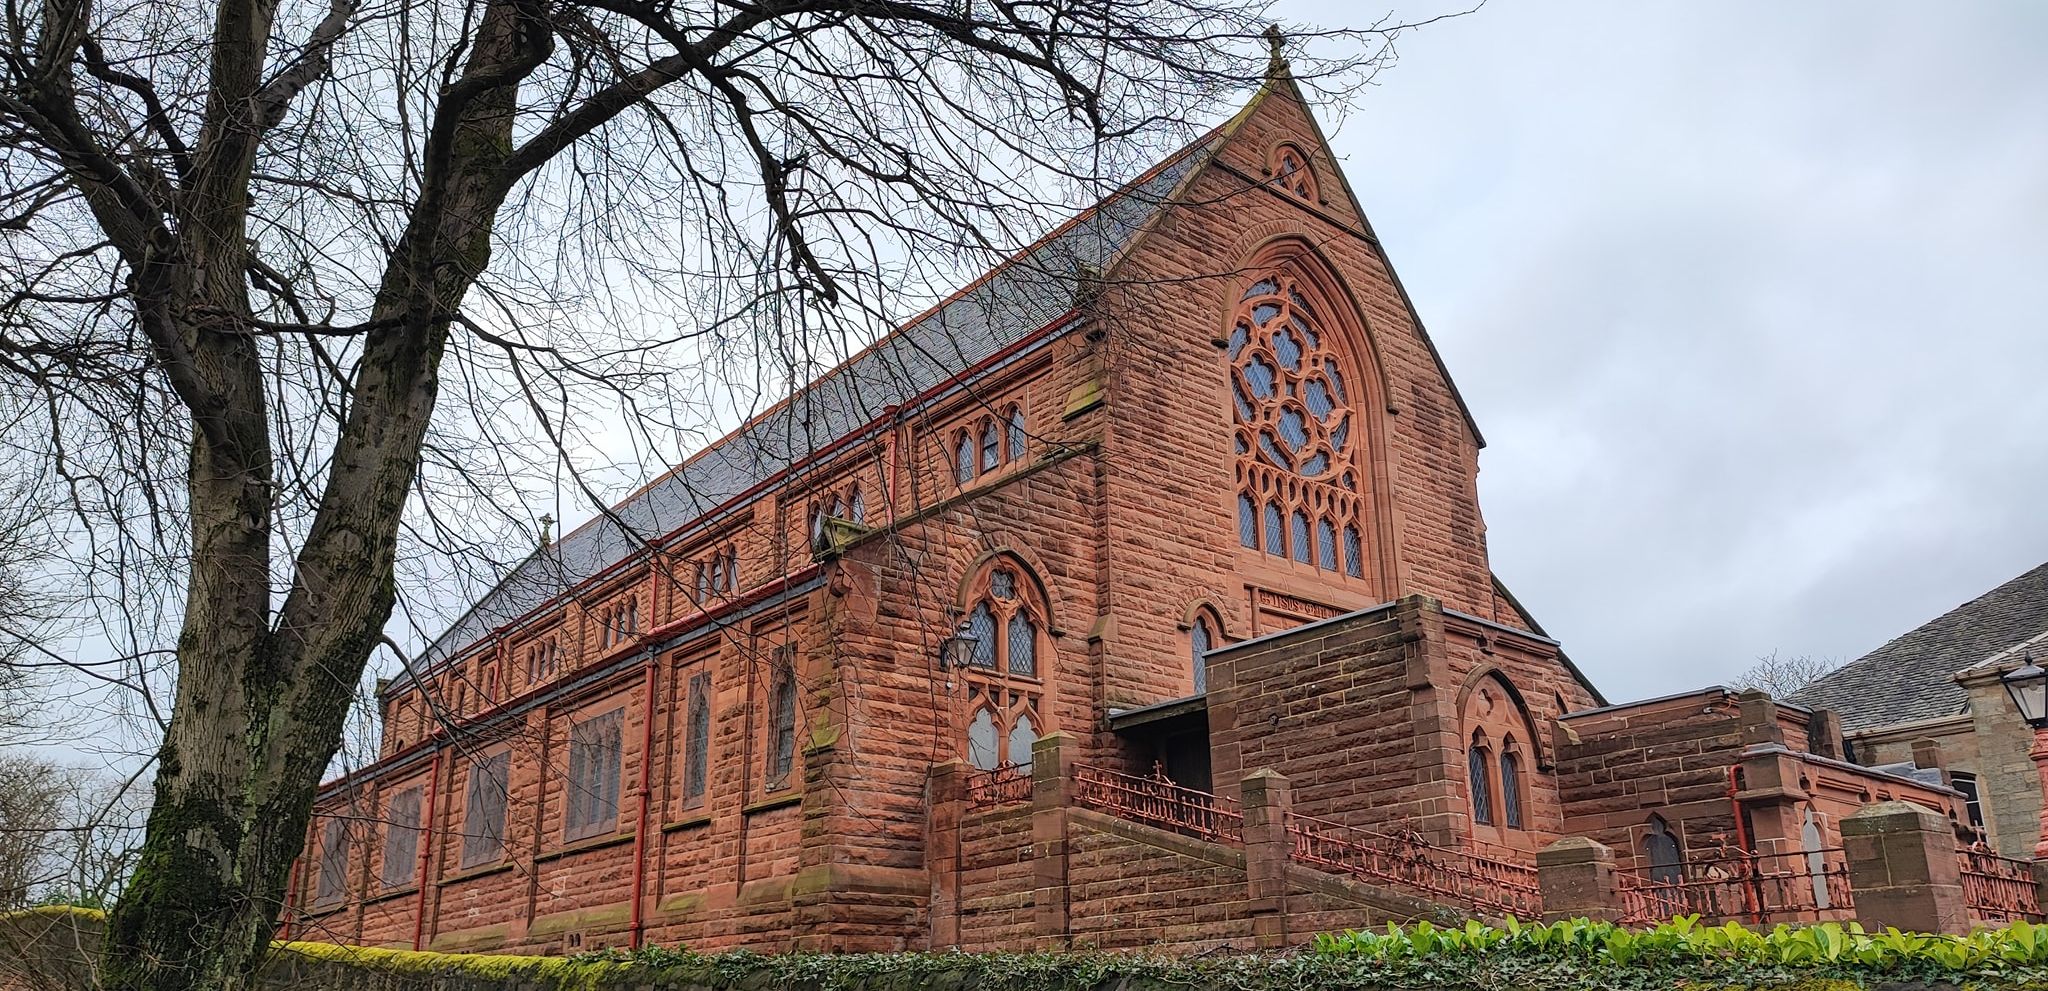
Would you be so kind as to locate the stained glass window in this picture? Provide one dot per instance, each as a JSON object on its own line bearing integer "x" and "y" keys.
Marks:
{"x": 1293, "y": 430}
{"x": 981, "y": 625}
{"x": 1199, "y": 641}
{"x": 1354, "y": 565}
{"x": 1477, "y": 770}
{"x": 991, "y": 446}
{"x": 1017, "y": 433}
{"x": 1004, "y": 669}
{"x": 1023, "y": 645}
{"x": 857, "y": 507}
{"x": 697, "y": 740}
{"x": 1511, "y": 788}
{"x": 782, "y": 729}
{"x": 963, "y": 458}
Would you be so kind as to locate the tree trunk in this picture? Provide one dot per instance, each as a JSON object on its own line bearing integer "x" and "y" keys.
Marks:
{"x": 261, "y": 702}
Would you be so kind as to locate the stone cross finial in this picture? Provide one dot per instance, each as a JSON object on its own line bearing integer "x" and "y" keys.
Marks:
{"x": 547, "y": 522}
{"x": 1276, "y": 43}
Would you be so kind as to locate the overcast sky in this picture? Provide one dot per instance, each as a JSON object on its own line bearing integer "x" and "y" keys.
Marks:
{"x": 1749, "y": 301}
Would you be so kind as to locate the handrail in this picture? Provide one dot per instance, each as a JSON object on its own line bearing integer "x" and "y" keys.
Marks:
{"x": 1407, "y": 859}
{"x": 1006, "y": 784}
{"x": 1757, "y": 888}
{"x": 1995, "y": 888}
{"x": 1158, "y": 801}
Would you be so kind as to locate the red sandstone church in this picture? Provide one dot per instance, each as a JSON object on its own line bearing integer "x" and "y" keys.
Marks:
{"x": 1136, "y": 595}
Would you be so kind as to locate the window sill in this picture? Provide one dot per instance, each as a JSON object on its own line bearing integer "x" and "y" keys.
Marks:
{"x": 682, "y": 824}
{"x": 323, "y": 909}
{"x": 390, "y": 894}
{"x": 473, "y": 872}
{"x": 584, "y": 845}
{"x": 774, "y": 802}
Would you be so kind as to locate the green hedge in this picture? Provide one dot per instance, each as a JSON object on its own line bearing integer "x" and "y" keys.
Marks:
{"x": 1568, "y": 956}
{"x": 1684, "y": 949}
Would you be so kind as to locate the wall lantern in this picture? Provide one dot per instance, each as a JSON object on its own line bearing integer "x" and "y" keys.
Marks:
{"x": 2028, "y": 686}
{"x": 957, "y": 651}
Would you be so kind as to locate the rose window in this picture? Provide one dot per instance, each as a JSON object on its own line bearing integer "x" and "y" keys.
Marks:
{"x": 1294, "y": 431}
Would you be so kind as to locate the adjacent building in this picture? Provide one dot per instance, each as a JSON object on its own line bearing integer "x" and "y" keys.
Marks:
{"x": 1930, "y": 699}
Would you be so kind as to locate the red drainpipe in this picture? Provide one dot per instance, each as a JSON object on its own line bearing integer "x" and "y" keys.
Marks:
{"x": 1735, "y": 806}
{"x": 646, "y": 791}
{"x": 890, "y": 460}
{"x": 1752, "y": 897}
{"x": 419, "y": 916}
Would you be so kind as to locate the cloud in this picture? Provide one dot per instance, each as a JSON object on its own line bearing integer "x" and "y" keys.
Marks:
{"x": 1748, "y": 301}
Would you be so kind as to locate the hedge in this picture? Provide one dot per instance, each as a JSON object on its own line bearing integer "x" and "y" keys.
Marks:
{"x": 1569, "y": 956}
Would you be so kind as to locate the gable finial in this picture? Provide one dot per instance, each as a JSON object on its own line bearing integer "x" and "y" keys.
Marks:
{"x": 1276, "y": 43}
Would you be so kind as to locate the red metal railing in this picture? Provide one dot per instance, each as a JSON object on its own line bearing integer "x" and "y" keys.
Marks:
{"x": 1005, "y": 785}
{"x": 1405, "y": 859}
{"x": 1157, "y": 801}
{"x": 1806, "y": 886}
{"x": 1998, "y": 889}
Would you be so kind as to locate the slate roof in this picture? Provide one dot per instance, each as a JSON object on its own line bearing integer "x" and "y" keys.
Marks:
{"x": 1910, "y": 679}
{"x": 1005, "y": 305}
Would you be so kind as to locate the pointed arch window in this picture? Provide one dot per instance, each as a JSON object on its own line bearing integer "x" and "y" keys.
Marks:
{"x": 781, "y": 750}
{"x": 1023, "y": 736}
{"x": 1660, "y": 848}
{"x": 1023, "y": 645}
{"x": 1017, "y": 433}
{"x": 856, "y": 507}
{"x": 1202, "y": 638}
{"x": 1294, "y": 429}
{"x": 697, "y": 741}
{"x": 963, "y": 457}
{"x": 1478, "y": 774}
{"x": 991, "y": 446}
{"x": 1511, "y": 785}
{"x": 1292, "y": 172}
{"x": 1006, "y": 670}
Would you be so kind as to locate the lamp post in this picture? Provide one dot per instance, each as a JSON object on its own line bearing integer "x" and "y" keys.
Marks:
{"x": 2028, "y": 686}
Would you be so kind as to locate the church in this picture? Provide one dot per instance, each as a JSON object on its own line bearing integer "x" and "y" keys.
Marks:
{"x": 1135, "y": 595}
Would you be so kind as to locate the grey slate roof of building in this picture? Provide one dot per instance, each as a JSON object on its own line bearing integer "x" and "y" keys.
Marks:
{"x": 1910, "y": 678}
{"x": 1007, "y": 304}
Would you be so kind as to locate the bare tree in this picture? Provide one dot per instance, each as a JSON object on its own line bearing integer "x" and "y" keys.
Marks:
{"x": 32, "y": 793}
{"x": 303, "y": 299}
{"x": 1781, "y": 676}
